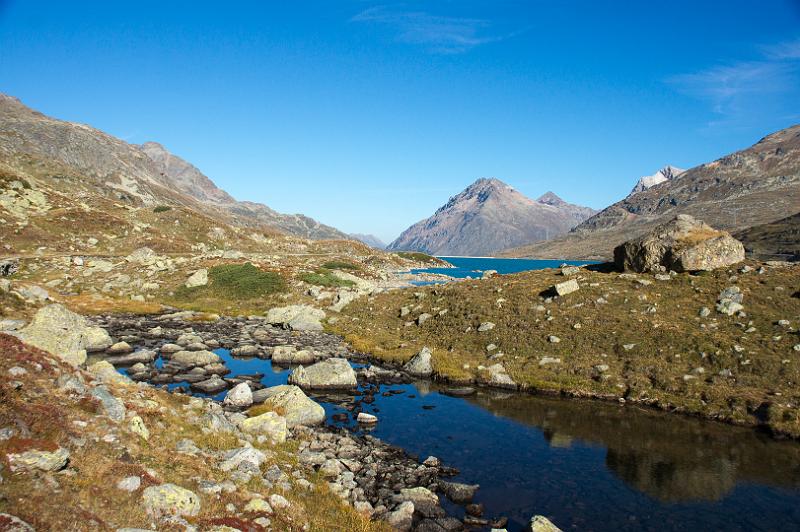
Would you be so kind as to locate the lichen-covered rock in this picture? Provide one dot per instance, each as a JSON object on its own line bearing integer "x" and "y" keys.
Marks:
{"x": 287, "y": 355}
{"x": 137, "y": 426}
{"x": 269, "y": 424}
{"x": 38, "y": 460}
{"x": 540, "y": 523}
{"x": 420, "y": 365}
{"x": 65, "y": 334}
{"x": 297, "y": 408}
{"x": 113, "y": 407}
{"x": 12, "y": 523}
{"x": 682, "y": 244}
{"x": 334, "y": 373}
{"x": 567, "y": 287}
{"x": 297, "y": 317}
{"x": 170, "y": 500}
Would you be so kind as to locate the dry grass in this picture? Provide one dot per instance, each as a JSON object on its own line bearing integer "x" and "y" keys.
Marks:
{"x": 675, "y": 361}
{"x": 83, "y": 496}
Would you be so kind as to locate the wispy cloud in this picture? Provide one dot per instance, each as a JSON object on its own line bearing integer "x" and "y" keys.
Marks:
{"x": 736, "y": 89}
{"x": 438, "y": 34}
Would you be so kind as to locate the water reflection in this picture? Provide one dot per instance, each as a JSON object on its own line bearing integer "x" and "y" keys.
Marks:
{"x": 668, "y": 457}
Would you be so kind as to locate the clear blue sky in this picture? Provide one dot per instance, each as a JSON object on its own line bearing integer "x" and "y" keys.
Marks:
{"x": 369, "y": 116}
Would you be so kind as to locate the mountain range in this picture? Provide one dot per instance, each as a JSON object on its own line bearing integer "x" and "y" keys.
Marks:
{"x": 757, "y": 186}
{"x": 75, "y": 158}
{"x": 489, "y": 216}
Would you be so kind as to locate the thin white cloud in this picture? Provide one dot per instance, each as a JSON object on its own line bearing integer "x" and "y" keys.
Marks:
{"x": 734, "y": 90}
{"x": 438, "y": 34}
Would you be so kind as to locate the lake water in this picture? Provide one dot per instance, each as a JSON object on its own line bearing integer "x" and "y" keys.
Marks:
{"x": 464, "y": 267}
{"x": 586, "y": 465}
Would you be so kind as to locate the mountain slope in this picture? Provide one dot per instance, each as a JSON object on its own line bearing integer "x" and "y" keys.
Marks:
{"x": 82, "y": 163}
{"x": 755, "y": 186}
{"x": 189, "y": 180}
{"x": 370, "y": 240}
{"x": 778, "y": 240}
{"x": 668, "y": 173}
{"x": 489, "y": 216}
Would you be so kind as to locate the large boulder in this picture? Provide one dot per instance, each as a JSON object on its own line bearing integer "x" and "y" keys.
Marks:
{"x": 195, "y": 358}
{"x": 65, "y": 334}
{"x": 540, "y": 523}
{"x": 269, "y": 424}
{"x": 295, "y": 405}
{"x": 297, "y": 317}
{"x": 420, "y": 365}
{"x": 331, "y": 374}
{"x": 682, "y": 244}
{"x": 198, "y": 278}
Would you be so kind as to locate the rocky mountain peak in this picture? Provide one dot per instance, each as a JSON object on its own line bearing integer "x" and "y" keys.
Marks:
{"x": 668, "y": 173}
{"x": 551, "y": 198}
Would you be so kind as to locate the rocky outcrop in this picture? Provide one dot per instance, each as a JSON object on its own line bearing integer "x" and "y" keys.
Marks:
{"x": 667, "y": 173}
{"x": 683, "y": 244}
{"x": 489, "y": 216}
{"x": 331, "y": 374}
{"x": 65, "y": 334}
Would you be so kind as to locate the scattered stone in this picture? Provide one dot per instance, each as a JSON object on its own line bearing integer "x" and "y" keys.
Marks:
{"x": 334, "y": 373}
{"x": 170, "y": 500}
{"x": 195, "y": 358}
{"x": 420, "y": 365}
{"x": 499, "y": 377}
{"x": 422, "y": 318}
{"x": 269, "y": 424}
{"x": 553, "y": 339}
{"x": 129, "y": 483}
{"x": 137, "y": 426}
{"x": 12, "y": 523}
{"x": 198, "y": 278}
{"x": 241, "y": 396}
{"x": 297, "y": 317}
{"x": 539, "y": 523}
{"x": 249, "y": 456}
{"x": 258, "y": 506}
{"x": 114, "y": 408}
{"x": 486, "y": 326}
{"x": 567, "y": 287}
{"x": 367, "y": 419}
{"x": 278, "y": 501}
{"x": 297, "y": 408}
{"x": 457, "y": 492}
{"x": 287, "y": 355}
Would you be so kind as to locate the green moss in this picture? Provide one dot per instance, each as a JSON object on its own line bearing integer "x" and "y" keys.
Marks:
{"x": 326, "y": 278}
{"x": 340, "y": 265}
{"x": 236, "y": 281}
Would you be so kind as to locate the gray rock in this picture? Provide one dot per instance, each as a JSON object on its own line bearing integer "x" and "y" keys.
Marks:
{"x": 297, "y": 317}
{"x": 457, "y": 492}
{"x": 198, "y": 278}
{"x": 195, "y": 358}
{"x": 297, "y": 408}
{"x": 210, "y": 386}
{"x": 499, "y": 377}
{"x": 129, "y": 483}
{"x": 402, "y": 518}
{"x": 240, "y": 396}
{"x": 170, "y": 500}
{"x": 287, "y": 355}
{"x": 334, "y": 373}
{"x": 486, "y": 326}
{"x": 120, "y": 348}
{"x": 422, "y": 318}
{"x": 567, "y": 287}
{"x": 682, "y": 244}
{"x": 144, "y": 356}
{"x": 247, "y": 456}
{"x": 114, "y": 408}
{"x": 64, "y": 334}
{"x": 420, "y": 365}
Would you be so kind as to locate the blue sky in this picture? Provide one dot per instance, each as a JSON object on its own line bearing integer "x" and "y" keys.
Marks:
{"x": 368, "y": 116}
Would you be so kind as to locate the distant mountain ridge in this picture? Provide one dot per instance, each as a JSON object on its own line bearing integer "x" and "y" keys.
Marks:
{"x": 752, "y": 187}
{"x": 488, "y": 216}
{"x": 370, "y": 240}
{"x": 189, "y": 180}
{"x": 146, "y": 174}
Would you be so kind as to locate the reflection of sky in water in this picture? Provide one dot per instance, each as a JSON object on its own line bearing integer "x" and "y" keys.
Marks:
{"x": 590, "y": 466}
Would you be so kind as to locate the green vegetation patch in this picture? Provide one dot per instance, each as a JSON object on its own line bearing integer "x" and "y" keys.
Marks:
{"x": 340, "y": 265}
{"x": 416, "y": 256}
{"x": 162, "y": 208}
{"x": 326, "y": 278}
{"x": 236, "y": 281}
